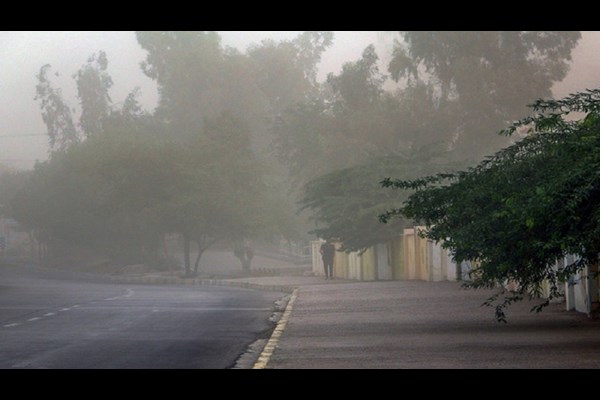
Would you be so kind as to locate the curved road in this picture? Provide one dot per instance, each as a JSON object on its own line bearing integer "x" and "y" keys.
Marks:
{"x": 48, "y": 319}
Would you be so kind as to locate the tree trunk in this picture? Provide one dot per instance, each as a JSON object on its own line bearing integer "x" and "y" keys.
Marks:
{"x": 200, "y": 251}
{"x": 246, "y": 264}
{"x": 31, "y": 245}
{"x": 186, "y": 254}
{"x": 244, "y": 253}
{"x": 166, "y": 254}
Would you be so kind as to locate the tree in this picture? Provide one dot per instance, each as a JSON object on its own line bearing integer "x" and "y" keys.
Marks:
{"x": 286, "y": 71}
{"x": 93, "y": 83}
{"x": 347, "y": 202}
{"x": 523, "y": 208}
{"x": 244, "y": 253}
{"x": 102, "y": 194}
{"x": 96, "y": 109}
{"x": 489, "y": 75}
{"x": 119, "y": 192}
{"x": 200, "y": 82}
{"x": 188, "y": 68}
{"x": 55, "y": 113}
{"x": 11, "y": 182}
{"x": 353, "y": 120}
{"x": 344, "y": 124}
{"x": 360, "y": 82}
{"x": 205, "y": 134}
{"x": 222, "y": 193}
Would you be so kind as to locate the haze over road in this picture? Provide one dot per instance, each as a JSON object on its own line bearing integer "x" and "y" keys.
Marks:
{"x": 50, "y": 320}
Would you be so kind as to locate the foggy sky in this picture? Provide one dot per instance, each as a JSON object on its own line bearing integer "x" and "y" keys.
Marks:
{"x": 23, "y": 53}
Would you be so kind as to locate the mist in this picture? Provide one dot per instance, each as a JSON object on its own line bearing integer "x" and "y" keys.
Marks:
{"x": 228, "y": 158}
{"x": 22, "y": 54}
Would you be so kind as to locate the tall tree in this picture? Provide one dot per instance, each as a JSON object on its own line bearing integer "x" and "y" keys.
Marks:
{"x": 188, "y": 69}
{"x": 346, "y": 203}
{"x": 93, "y": 84}
{"x": 353, "y": 120}
{"x": 360, "y": 82}
{"x": 102, "y": 194}
{"x": 224, "y": 193}
{"x": 491, "y": 75}
{"x": 199, "y": 81}
{"x": 55, "y": 112}
{"x": 286, "y": 71}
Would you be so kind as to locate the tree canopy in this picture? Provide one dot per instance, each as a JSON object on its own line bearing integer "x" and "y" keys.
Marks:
{"x": 346, "y": 202}
{"x": 455, "y": 90}
{"x": 334, "y": 142}
{"x": 209, "y": 133}
{"x": 488, "y": 77}
{"x": 523, "y": 208}
{"x": 93, "y": 84}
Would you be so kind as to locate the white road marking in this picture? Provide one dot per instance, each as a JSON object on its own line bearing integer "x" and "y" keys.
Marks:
{"x": 75, "y": 306}
{"x": 49, "y": 314}
{"x": 11, "y": 325}
{"x": 64, "y": 309}
{"x": 33, "y": 319}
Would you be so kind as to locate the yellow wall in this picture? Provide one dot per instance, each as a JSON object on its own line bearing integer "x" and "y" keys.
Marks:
{"x": 340, "y": 265}
{"x": 396, "y": 247}
{"x": 409, "y": 254}
{"x": 421, "y": 256}
{"x": 444, "y": 263}
{"x": 354, "y": 265}
{"x": 368, "y": 265}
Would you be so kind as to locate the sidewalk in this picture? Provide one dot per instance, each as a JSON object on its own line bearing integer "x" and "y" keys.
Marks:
{"x": 413, "y": 324}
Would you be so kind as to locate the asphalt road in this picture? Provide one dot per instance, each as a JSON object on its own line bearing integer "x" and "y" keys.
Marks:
{"x": 52, "y": 320}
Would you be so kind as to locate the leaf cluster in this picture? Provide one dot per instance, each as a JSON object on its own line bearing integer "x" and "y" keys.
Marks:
{"x": 524, "y": 208}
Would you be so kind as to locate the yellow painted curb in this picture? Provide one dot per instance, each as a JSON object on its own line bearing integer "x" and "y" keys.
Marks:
{"x": 265, "y": 356}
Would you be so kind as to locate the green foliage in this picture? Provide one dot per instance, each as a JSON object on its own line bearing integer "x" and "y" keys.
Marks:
{"x": 198, "y": 79}
{"x": 220, "y": 102}
{"x": 346, "y": 202}
{"x": 458, "y": 88}
{"x": 360, "y": 82}
{"x": 119, "y": 192}
{"x": 488, "y": 75}
{"x": 348, "y": 122}
{"x": 286, "y": 71}
{"x": 96, "y": 108}
{"x": 93, "y": 83}
{"x": 196, "y": 167}
{"x": 101, "y": 193}
{"x": 223, "y": 195}
{"x": 11, "y": 181}
{"x": 55, "y": 113}
{"x": 523, "y": 208}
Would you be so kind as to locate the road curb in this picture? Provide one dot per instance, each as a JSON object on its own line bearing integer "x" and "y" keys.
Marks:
{"x": 154, "y": 280}
{"x": 267, "y": 352}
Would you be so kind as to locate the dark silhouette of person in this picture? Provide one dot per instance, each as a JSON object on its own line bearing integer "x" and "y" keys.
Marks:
{"x": 327, "y": 253}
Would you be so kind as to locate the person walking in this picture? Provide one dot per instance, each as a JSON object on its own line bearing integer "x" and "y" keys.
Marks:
{"x": 327, "y": 251}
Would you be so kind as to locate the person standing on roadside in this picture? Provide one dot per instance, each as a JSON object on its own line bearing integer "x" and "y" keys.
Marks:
{"x": 328, "y": 253}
